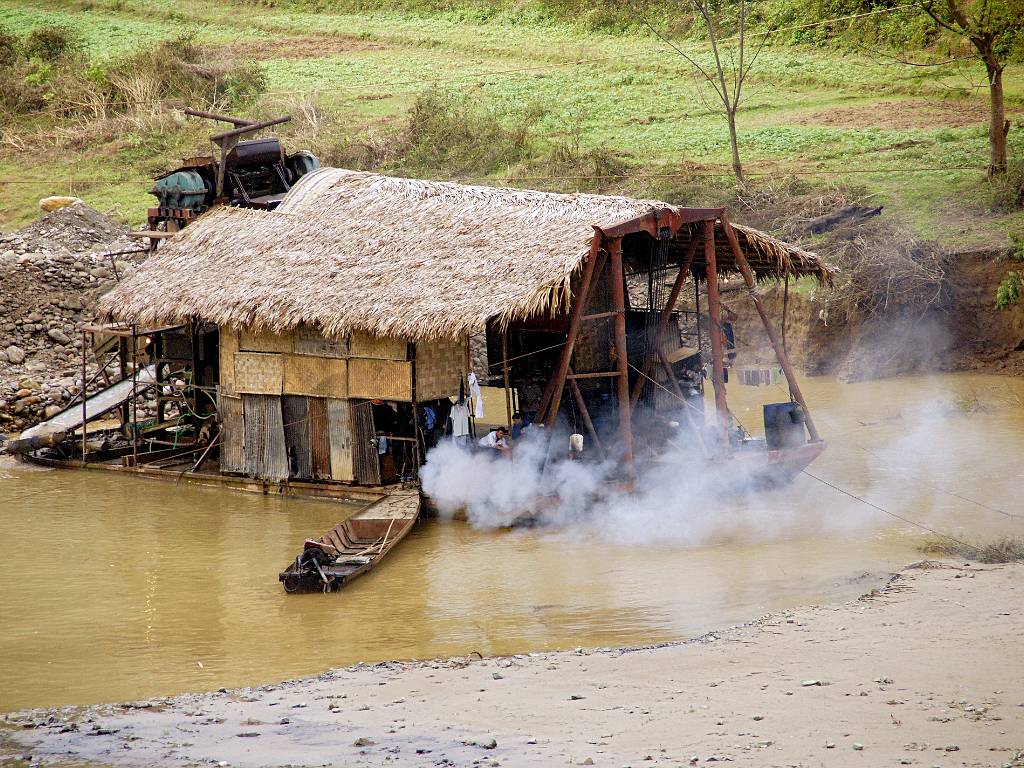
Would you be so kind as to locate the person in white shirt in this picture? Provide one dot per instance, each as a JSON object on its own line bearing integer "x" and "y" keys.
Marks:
{"x": 496, "y": 439}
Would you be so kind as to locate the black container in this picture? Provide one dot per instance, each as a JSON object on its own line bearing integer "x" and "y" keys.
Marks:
{"x": 784, "y": 426}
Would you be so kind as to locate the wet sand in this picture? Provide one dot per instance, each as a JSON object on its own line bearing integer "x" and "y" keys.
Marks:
{"x": 928, "y": 671}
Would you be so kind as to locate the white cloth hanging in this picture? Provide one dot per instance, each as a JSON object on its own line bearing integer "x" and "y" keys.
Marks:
{"x": 478, "y": 399}
{"x": 460, "y": 420}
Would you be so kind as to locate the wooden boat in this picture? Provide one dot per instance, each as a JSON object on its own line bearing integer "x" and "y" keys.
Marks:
{"x": 353, "y": 547}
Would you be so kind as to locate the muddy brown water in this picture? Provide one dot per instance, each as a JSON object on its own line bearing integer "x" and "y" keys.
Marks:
{"x": 117, "y": 588}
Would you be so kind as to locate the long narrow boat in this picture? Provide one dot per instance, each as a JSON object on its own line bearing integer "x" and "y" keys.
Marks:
{"x": 353, "y": 547}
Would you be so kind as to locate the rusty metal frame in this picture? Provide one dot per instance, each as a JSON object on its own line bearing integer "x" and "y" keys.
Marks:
{"x": 666, "y": 314}
{"x": 617, "y": 275}
{"x": 715, "y": 315}
{"x": 780, "y": 351}
{"x": 551, "y": 402}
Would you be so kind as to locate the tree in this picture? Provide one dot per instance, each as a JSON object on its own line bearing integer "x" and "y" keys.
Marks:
{"x": 993, "y": 27}
{"x": 727, "y": 78}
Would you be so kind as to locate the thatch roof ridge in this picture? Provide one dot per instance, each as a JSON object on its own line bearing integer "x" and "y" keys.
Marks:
{"x": 349, "y": 250}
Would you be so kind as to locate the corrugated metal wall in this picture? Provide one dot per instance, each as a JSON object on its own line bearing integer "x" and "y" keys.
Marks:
{"x": 319, "y": 438}
{"x": 365, "y": 460}
{"x": 232, "y": 454}
{"x": 339, "y": 425}
{"x": 265, "y": 454}
{"x": 297, "y": 440}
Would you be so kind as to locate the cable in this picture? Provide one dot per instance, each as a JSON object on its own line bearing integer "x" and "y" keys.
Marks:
{"x": 907, "y": 520}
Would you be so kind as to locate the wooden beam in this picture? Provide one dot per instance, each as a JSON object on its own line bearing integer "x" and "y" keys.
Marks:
{"x": 618, "y": 277}
{"x": 780, "y": 351}
{"x": 666, "y": 315}
{"x": 715, "y": 313}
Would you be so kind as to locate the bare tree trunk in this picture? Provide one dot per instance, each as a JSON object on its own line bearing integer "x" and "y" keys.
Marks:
{"x": 998, "y": 125}
{"x": 737, "y": 167}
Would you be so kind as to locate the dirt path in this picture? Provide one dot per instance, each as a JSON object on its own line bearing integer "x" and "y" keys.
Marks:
{"x": 927, "y": 672}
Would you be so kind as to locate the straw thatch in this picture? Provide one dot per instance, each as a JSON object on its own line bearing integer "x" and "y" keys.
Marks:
{"x": 397, "y": 257}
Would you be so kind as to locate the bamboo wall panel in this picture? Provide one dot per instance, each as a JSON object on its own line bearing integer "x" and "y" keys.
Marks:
{"x": 228, "y": 344}
{"x": 365, "y": 460}
{"x": 315, "y": 376}
{"x": 439, "y": 367}
{"x": 340, "y": 428}
{"x": 319, "y": 438}
{"x": 380, "y": 379}
{"x": 232, "y": 453}
{"x": 362, "y": 344}
{"x": 265, "y": 455}
{"x": 258, "y": 373}
{"x": 309, "y": 340}
{"x": 264, "y": 341}
{"x": 297, "y": 440}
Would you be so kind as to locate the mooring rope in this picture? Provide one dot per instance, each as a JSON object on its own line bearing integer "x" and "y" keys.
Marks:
{"x": 907, "y": 520}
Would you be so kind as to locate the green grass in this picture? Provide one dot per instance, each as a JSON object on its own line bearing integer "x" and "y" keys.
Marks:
{"x": 632, "y": 97}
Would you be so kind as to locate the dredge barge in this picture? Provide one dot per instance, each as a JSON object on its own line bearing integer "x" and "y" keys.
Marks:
{"x": 322, "y": 347}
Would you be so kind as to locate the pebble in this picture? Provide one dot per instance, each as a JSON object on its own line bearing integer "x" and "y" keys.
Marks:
{"x": 858, "y": 747}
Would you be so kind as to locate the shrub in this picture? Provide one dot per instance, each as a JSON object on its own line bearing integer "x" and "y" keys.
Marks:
{"x": 1007, "y": 549}
{"x": 460, "y": 134}
{"x": 1010, "y": 290}
{"x": 51, "y": 43}
{"x": 1007, "y": 190}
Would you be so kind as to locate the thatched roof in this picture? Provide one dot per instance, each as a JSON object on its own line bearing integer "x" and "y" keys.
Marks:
{"x": 420, "y": 259}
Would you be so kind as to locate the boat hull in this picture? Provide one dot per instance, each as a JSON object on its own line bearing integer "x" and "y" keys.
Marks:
{"x": 352, "y": 547}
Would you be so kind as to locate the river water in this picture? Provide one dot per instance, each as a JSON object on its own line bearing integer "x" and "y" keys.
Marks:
{"x": 115, "y": 588}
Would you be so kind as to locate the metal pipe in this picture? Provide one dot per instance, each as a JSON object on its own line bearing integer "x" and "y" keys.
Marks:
{"x": 236, "y": 121}
{"x": 85, "y": 410}
{"x": 250, "y": 128}
{"x": 504, "y": 372}
{"x": 715, "y": 313}
{"x": 135, "y": 398}
{"x": 618, "y": 277}
{"x": 780, "y": 351}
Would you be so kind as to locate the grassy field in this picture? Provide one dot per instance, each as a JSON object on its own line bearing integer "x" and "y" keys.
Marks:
{"x": 913, "y": 139}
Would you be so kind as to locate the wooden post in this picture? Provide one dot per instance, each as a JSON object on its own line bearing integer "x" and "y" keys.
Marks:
{"x": 617, "y": 275}
{"x": 557, "y": 384}
{"x": 85, "y": 410}
{"x": 504, "y": 373}
{"x": 780, "y": 352}
{"x": 715, "y": 314}
{"x": 666, "y": 315}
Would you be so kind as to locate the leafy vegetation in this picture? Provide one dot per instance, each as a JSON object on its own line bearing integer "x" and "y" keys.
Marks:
{"x": 1010, "y": 290}
{"x": 529, "y": 93}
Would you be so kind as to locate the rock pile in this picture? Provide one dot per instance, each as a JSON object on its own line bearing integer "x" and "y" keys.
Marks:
{"x": 51, "y": 273}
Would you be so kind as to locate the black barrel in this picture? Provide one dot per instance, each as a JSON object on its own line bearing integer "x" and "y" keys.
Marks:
{"x": 783, "y": 426}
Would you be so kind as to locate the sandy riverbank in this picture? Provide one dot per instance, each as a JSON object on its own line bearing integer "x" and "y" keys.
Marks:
{"x": 928, "y": 671}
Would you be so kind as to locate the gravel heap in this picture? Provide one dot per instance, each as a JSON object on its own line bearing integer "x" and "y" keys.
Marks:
{"x": 51, "y": 273}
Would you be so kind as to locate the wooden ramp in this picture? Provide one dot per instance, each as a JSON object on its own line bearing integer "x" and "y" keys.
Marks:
{"x": 353, "y": 547}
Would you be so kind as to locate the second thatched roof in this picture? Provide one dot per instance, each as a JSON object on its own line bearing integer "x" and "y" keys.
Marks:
{"x": 417, "y": 259}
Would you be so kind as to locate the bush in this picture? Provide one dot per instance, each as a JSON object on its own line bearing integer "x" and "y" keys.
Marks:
{"x": 1008, "y": 549}
{"x": 1006, "y": 191}
{"x": 51, "y": 43}
{"x": 458, "y": 134}
{"x": 9, "y": 49}
{"x": 1010, "y": 290}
